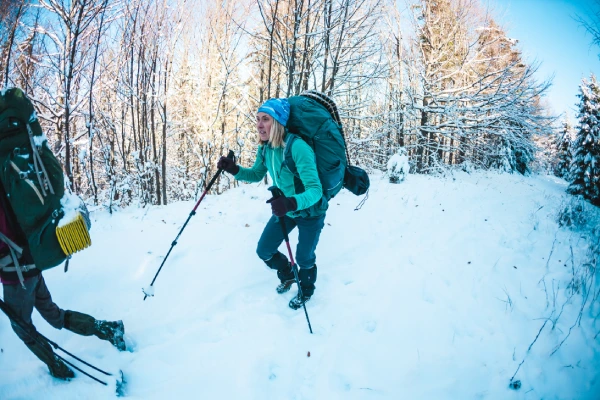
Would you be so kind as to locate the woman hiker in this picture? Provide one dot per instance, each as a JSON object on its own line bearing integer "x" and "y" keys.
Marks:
{"x": 302, "y": 206}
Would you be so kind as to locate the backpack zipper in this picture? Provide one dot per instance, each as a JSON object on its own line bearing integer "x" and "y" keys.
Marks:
{"x": 29, "y": 182}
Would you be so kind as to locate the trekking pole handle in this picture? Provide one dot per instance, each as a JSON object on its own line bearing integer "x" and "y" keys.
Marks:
{"x": 275, "y": 191}
{"x": 231, "y": 155}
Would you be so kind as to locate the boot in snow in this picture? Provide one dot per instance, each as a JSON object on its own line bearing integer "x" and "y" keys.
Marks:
{"x": 56, "y": 366}
{"x": 86, "y": 325}
{"x": 285, "y": 286}
{"x": 308, "y": 277}
{"x": 112, "y": 331}
{"x": 285, "y": 274}
{"x": 298, "y": 301}
{"x": 286, "y": 277}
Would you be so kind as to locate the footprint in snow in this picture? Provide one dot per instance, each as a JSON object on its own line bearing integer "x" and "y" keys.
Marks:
{"x": 370, "y": 326}
{"x": 130, "y": 343}
{"x": 273, "y": 372}
{"x": 342, "y": 382}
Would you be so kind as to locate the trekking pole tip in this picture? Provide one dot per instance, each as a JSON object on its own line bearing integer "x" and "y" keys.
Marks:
{"x": 148, "y": 291}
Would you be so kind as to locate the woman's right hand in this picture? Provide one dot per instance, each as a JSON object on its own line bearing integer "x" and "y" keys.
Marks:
{"x": 228, "y": 164}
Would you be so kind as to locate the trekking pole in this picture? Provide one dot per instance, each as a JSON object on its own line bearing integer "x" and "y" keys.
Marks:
{"x": 38, "y": 337}
{"x": 148, "y": 291}
{"x": 278, "y": 193}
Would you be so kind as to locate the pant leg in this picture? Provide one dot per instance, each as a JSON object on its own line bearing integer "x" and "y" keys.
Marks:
{"x": 272, "y": 237}
{"x": 308, "y": 277}
{"x": 46, "y": 307}
{"x": 21, "y": 301}
{"x": 309, "y": 231}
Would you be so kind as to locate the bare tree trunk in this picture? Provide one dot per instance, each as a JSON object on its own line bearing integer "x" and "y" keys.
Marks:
{"x": 292, "y": 64}
{"x": 91, "y": 122}
{"x": 164, "y": 140}
{"x": 13, "y": 33}
{"x": 153, "y": 73}
{"x": 271, "y": 32}
{"x": 327, "y": 38}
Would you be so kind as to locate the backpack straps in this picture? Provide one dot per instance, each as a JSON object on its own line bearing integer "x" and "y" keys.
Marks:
{"x": 289, "y": 162}
{"x": 40, "y": 170}
{"x": 15, "y": 253}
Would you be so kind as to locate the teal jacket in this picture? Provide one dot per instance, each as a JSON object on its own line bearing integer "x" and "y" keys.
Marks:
{"x": 311, "y": 202}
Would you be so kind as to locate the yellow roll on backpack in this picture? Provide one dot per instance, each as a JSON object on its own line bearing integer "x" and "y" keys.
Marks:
{"x": 74, "y": 235}
{"x": 73, "y": 229}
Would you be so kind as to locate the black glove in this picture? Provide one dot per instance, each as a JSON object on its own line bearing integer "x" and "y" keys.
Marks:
{"x": 227, "y": 164}
{"x": 282, "y": 205}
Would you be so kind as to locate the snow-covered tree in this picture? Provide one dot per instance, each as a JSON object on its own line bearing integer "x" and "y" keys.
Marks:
{"x": 139, "y": 98}
{"x": 398, "y": 166}
{"x": 470, "y": 94}
{"x": 585, "y": 170}
{"x": 562, "y": 148}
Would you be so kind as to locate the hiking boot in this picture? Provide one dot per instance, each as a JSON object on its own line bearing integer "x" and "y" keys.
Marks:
{"x": 298, "y": 301}
{"x": 56, "y": 366}
{"x": 286, "y": 277}
{"x": 86, "y": 325}
{"x": 285, "y": 286}
{"x": 60, "y": 370}
{"x": 113, "y": 332}
{"x": 308, "y": 277}
{"x": 285, "y": 273}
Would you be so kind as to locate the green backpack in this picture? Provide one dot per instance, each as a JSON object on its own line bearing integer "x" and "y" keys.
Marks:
{"x": 32, "y": 178}
{"x": 314, "y": 118}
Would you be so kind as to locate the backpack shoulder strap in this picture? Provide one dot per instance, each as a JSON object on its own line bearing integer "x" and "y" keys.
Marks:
{"x": 11, "y": 219}
{"x": 288, "y": 159}
{"x": 16, "y": 252}
{"x": 287, "y": 153}
{"x": 263, "y": 152}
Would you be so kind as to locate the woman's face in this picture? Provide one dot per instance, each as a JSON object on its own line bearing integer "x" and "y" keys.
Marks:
{"x": 263, "y": 124}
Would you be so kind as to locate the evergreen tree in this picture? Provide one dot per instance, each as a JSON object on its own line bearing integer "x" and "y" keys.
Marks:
{"x": 562, "y": 147}
{"x": 585, "y": 171}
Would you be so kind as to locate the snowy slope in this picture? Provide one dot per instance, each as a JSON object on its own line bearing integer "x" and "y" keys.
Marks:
{"x": 433, "y": 290}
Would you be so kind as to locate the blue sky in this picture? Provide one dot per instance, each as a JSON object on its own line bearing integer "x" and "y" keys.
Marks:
{"x": 547, "y": 32}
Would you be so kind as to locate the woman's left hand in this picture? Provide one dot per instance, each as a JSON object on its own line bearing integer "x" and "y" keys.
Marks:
{"x": 282, "y": 205}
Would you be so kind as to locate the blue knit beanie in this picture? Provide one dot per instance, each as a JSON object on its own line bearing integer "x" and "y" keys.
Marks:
{"x": 279, "y": 109}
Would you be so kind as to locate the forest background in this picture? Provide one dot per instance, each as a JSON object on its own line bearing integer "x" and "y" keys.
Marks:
{"x": 140, "y": 98}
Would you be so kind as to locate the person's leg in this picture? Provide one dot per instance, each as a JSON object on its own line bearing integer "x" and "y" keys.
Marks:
{"x": 267, "y": 250}
{"x": 309, "y": 232}
{"x": 77, "y": 322}
{"x": 308, "y": 277}
{"x": 53, "y": 314}
{"x": 86, "y": 325}
{"x": 21, "y": 302}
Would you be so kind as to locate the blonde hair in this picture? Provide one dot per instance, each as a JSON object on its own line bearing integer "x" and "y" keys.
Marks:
{"x": 276, "y": 135}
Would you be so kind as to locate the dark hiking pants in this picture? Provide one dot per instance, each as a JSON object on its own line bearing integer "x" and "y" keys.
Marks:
{"x": 309, "y": 231}
{"x": 22, "y": 302}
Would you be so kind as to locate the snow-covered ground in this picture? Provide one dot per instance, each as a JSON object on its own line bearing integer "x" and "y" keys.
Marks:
{"x": 435, "y": 289}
